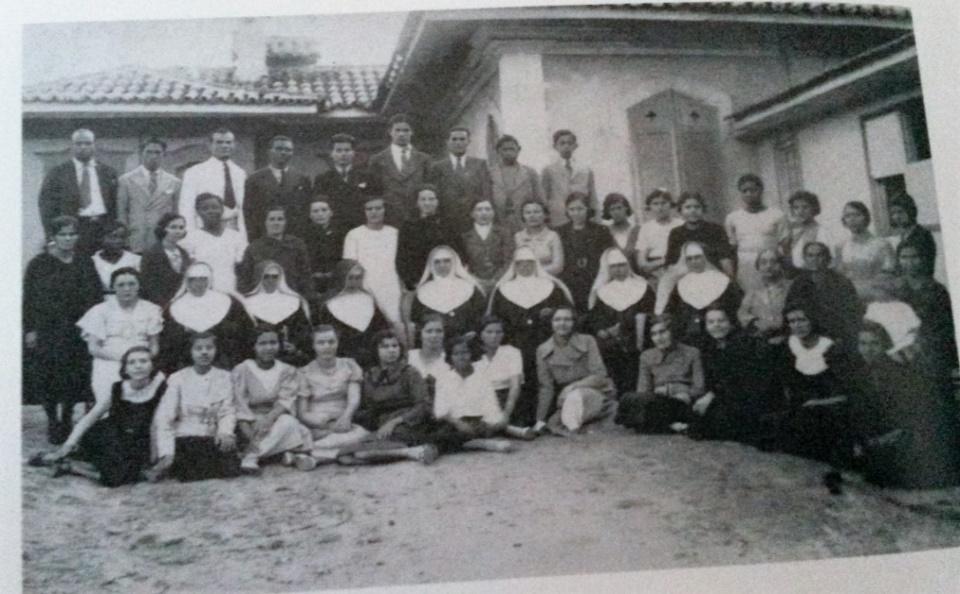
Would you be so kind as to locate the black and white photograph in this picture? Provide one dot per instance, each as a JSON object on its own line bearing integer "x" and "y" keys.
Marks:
{"x": 432, "y": 297}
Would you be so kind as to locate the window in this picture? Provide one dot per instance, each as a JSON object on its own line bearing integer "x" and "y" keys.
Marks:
{"x": 786, "y": 163}
{"x": 913, "y": 118}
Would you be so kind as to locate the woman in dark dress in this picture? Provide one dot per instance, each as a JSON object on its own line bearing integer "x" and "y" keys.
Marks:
{"x": 163, "y": 265}
{"x": 199, "y": 308}
{"x": 697, "y": 288}
{"x": 273, "y": 302}
{"x": 903, "y": 218}
{"x": 908, "y": 430}
{"x": 353, "y": 312}
{"x": 278, "y": 246}
{"x": 117, "y": 446}
{"x": 420, "y": 234}
{"x": 583, "y": 243}
{"x": 620, "y": 304}
{"x": 446, "y": 288}
{"x": 58, "y": 288}
{"x": 323, "y": 235}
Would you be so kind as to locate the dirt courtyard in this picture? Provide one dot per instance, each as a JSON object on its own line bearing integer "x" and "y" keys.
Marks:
{"x": 609, "y": 500}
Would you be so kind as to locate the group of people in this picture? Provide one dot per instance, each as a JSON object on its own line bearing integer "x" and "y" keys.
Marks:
{"x": 410, "y": 308}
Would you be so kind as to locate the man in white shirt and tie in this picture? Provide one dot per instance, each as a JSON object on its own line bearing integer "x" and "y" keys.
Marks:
{"x": 81, "y": 188}
{"x": 400, "y": 169}
{"x": 220, "y": 176}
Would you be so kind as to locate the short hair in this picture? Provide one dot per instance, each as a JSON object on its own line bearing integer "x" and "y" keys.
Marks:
{"x": 161, "y": 229}
{"x": 489, "y": 320}
{"x": 461, "y": 339}
{"x": 126, "y": 355}
{"x": 433, "y": 317}
{"x": 859, "y": 207}
{"x": 793, "y": 305}
{"x": 423, "y": 187}
{"x": 264, "y": 328}
{"x": 543, "y": 207}
{"x": 110, "y": 226}
{"x": 664, "y": 319}
{"x": 206, "y": 196}
{"x": 153, "y": 140}
{"x": 748, "y": 178}
{"x": 658, "y": 193}
{"x": 688, "y": 196}
{"x": 717, "y": 307}
{"x": 280, "y": 138}
{"x": 505, "y": 139}
{"x": 561, "y": 133}
{"x": 58, "y": 223}
{"x": 567, "y": 307}
{"x": 342, "y": 138}
{"x": 879, "y": 331}
{"x": 756, "y": 262}
{"x": 78, "y": 131}
{"x": 612, "y": 199}
{"x": 221, "y": 130}
{"x": 323, "y": 329}
{"x": 122, "y": 271}
{"x": 371, "y": 197}
{"x": 385, "y": 334}
{"x": 907, "y": 203}
{"x": 196, "y": 336}
{"x": 824, "y": 247}
{"x": 400, "y": 118}
{"x": 458, "y": 129}
{"x": 804, "y": 196}
{"x": 580, "y": 197}
{"x": 274, "y": 207}
{"x": 321, "y": 198}
{"x": 924, "y": 251}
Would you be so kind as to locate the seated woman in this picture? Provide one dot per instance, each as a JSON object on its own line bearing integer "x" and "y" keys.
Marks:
{"x": 329, "y": 395}
{"x": 811, "y": 367}
{"x": 273, "y": 302}
{"x": 196, "y": 419}
{"x": 266, "y": 393}
{"x": 113, "y": 254}
{"x": 419, "y": 235}
{"x": 117, "y": 324}
{"x": 761, "y": 311}
{"x": 670, "y": 381}
{"x": 538, "y": 237}
{"x": 908, "y": 431}
{"x": 200, "y": 308}
{"x": 504, "y": 366}
{"x": 114, "y": 436}
{"x": 742, "y": 401}
{"x": 620, "y": 304}
{"x": 323, "y": 236}
{"x": 583, "y": 241}
{"x": 164, "y": 263}
{"x": 574, "y": 386}
{"x": 446, "y": 288}
{"x": 699, "y": 286}
{"x": 863, "y": 256}
{"x": 487, "y": 246}
{"x": 353, "y": 312}
{"x": 276, "y": 245}
{"x": 215, "y": 243}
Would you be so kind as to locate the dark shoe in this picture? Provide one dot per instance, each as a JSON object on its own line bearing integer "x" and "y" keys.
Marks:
{"x": 60, "y": 468}
{"x": 833, "y": 481}
{"x": 37, "y": 460}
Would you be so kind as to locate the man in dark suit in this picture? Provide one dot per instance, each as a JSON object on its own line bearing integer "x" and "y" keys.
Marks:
{"x": 345, "y": 184}
{"x": 277, "y": 183}
{"x": 401, "y": 169}
{"x": 81, "y": 188}
{"x": 460, "y": 180}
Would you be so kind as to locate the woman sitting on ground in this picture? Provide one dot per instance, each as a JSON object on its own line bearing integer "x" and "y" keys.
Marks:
{"x": 273, "y": 302}
{"x": 266, "y": 395}
{"x": 574, "y": 386}
{"x": 670, "y": 382}
{"x": 430, "y": 359}
{"x": 504, "y": 366}
{"x": 446, "y": 288}
{"x": 114, "y": 436}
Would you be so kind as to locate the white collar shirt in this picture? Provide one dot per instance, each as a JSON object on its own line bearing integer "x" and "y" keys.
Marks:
{"x": 96, "y": 207}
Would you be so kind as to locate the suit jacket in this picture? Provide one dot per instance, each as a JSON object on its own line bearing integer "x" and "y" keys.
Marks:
{"x": 262, "y": 190}
{"x": 487, "y": 259}
{"x": 140, "y": 210}
{"x": 399, "y": 187}
{"x": 558, "y": 183}
{"x": 460, "y": 189}
{"x": 208, "y": 177}
{"x": 510, "y": 192}
{"x": 346, "y": 197}
{"x": 160, "y": 280}
{"x": 60, "y": 193}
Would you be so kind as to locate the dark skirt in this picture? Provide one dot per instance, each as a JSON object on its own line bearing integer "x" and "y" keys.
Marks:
{"x": 118, "y": 455}
{"x": 199, "y": 458}
{"x": 648, "y": 413}
{"x": 441, "y": 434}
{"x": 525, "y": 410}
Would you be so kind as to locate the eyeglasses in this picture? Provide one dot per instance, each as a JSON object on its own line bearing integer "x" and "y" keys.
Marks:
{"x": 271, "y": 276}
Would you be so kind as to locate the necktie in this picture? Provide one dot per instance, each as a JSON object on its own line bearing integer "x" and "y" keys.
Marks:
{"x": 229, "y": 200}
{"x": 567, "y": 166}
{"x": 405, "y": 157}
{"x": 152, "y": 186}
{"x": 283, "y": 177}
{"x": 343, "y": 175}
{"x": 459, "y": 163}
{"x": 85, "y": 186}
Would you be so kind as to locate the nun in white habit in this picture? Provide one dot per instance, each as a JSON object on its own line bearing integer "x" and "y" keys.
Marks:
{"x": 620, "y": 304}
{"x": 353, "y": 312}
{"x": 446, "y": 288}
{"x": 273, "y": 302}
{"x": 699, "y": 286}
{"x": 199, "y": 307}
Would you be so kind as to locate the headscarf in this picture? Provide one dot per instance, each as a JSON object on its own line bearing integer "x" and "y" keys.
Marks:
{"x": 204, "y": 312}
{"x": 355, "y": 309}
{"x": 279, "y": 305}
{"x": 528, "y": 291}
{"x": 450, "y": 292}
{"x": 617, "y": 294}
{"x": 699, "y": 289}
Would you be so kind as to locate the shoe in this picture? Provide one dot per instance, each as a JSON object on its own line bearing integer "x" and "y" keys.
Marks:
{"x": 60, "y": 468}
{"x": 539, "y": 427}
{"x": 678, "y": 427}
{"x": 37, "y": 460}
{"x": 428, "y": 454}
{"x": 833, "y": 481}
{"x": 527, "y": 434}
{"x": 288, "y": 459}
{"x": 305, "y": 462}
{"x": 250, "y": 464}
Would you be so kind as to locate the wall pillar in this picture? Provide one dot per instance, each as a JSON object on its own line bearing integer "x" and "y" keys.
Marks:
{"x": 524, "y": 106}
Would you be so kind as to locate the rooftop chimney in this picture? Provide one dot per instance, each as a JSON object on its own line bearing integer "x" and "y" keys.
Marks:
{"x": 250, "y": 50}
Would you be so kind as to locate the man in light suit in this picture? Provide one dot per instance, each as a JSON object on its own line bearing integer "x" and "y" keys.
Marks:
{"x": 81, "y": 188}
{"x": 146, "y": 194}
{"x": 401, "y": 169}
{"x": 277, "y": 183}
{"x": 565, "y": 176}
{"x": 220, "y": 176}
{"x": 460, "y": 180}
{"x": 346, "y": 185}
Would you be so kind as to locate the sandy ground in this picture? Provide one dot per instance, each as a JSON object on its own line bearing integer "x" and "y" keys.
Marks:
{"x": 605, "y": 501}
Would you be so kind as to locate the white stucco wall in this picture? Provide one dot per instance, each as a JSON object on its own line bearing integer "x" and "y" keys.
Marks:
{"x": 485, "y": 103}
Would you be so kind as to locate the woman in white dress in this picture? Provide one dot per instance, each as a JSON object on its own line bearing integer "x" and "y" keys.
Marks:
{"x": 374, "y": 246}
{"x": 273, "y": 302}
{"x": 216, "y": 244}
{"x": 446, "y": 288}
{"x": 863, "y": 257}
{"x": 113, "y": 254}
{"x": 430, "y": 359}
{"x": 120, "y": 322}
{"x": 544, "y": 241}
{"x": 752, "y": 229}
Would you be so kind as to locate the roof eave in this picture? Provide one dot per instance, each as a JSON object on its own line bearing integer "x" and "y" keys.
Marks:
{"x": 106, "y": 110}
